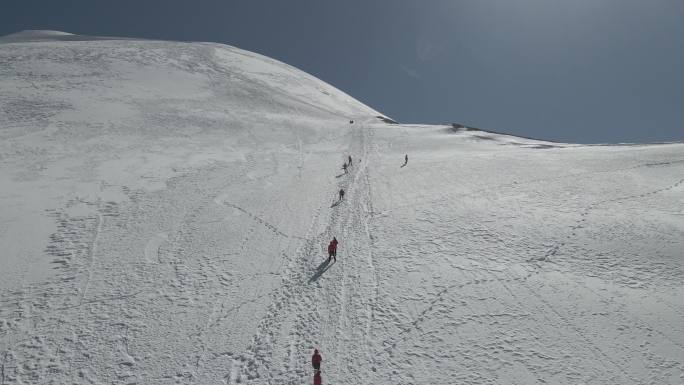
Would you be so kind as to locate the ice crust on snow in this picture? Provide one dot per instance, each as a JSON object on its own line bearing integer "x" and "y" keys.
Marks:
{"x": 165, "y": 210}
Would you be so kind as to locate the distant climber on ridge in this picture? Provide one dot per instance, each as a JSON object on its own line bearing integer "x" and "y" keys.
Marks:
{"x": 344, "y": 167}
{"x": 350, "y": 161}
{"x": 341, "y": 194}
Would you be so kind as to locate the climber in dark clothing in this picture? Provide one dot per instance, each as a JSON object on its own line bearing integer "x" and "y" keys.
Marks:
{"x": 316, "y": 360}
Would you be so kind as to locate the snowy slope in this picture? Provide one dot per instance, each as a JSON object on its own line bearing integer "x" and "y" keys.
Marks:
{"x": 165, "y": 209}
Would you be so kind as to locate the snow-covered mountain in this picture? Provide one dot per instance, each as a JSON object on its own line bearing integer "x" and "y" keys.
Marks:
{"x": 165, "y": 211}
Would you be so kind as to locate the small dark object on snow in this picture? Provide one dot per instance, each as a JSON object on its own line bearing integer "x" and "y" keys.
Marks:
{"x": 316, "y": 360}
{"x": 332, "y": 249}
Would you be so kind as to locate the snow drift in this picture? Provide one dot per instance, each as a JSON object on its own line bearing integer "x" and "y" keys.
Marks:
{"x": 165, "y": 209}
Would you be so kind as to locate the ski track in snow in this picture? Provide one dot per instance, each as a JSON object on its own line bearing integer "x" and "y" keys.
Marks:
{"x": 299, "y": 300}
{"x": 581, "y": 223}
{"x": 185, "y": 195}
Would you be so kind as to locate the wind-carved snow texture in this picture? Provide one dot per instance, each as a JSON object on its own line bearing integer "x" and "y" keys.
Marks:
{"x": 166, "y": 208}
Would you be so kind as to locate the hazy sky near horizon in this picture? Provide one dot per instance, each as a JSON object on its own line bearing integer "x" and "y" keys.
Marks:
{"x": 582, "y": 71}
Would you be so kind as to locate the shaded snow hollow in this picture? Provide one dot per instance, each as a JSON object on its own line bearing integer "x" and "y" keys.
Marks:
{"x": 165, "y": 210}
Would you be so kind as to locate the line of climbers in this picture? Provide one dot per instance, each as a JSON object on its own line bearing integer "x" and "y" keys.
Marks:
{"x": 332, "y": 255}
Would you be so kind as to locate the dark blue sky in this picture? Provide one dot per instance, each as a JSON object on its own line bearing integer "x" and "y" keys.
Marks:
{"x": 577, "y": 70}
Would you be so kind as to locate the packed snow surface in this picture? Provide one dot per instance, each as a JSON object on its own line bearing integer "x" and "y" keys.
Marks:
{"x": 165, "y": 210}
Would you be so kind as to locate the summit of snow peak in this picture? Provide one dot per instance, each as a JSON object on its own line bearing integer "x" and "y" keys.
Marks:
{"x": 131, "y": 73}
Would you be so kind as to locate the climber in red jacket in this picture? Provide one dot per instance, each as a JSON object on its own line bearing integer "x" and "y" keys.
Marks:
{"x": 316, "y": 360}
{"x": 332, "y": 250}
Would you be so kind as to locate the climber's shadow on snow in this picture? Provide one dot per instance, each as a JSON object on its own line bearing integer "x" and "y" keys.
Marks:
{"x": 325, "y": 265}
{"x": 336, "y": 203}
{"x": 340, "y": 176}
